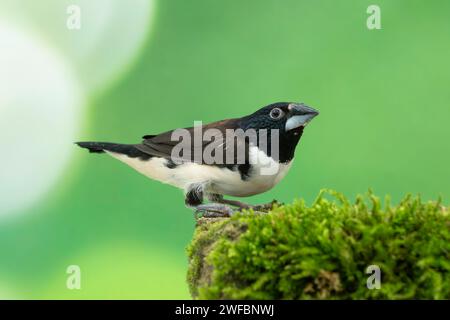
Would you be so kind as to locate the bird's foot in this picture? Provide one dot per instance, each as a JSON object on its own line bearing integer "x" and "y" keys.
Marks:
{"x": 224, "y": 208}
{"x": 257, "y": 208}
{"x": 213, "y": 210}
{"x": 218, "y": 198}
{"x": 266, "y": 207}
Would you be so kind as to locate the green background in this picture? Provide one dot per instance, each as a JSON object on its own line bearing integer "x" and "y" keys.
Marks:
{"x": 384, "y": 102}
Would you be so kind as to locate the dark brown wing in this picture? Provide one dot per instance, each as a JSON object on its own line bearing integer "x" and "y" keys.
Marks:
{"x": 163, "y": 144}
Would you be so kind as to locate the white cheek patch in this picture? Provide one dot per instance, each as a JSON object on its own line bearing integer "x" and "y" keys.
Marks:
{"x": 262, "y": 163}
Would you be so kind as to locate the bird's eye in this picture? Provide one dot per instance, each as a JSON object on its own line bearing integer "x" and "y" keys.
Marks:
{"x": 276, "y": 113}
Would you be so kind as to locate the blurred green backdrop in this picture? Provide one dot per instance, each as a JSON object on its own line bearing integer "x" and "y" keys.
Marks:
{"x": 384, "y": 99}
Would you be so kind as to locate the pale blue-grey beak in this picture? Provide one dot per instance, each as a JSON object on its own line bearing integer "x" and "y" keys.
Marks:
{"x": 299, "y": 115}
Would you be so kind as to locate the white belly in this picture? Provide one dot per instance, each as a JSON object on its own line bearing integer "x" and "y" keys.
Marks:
{"x": 263, "y": 175}
{"x": 233, "y": 185}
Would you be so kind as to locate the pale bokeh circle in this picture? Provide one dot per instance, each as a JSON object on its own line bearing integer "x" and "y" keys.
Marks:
{"x": 44, "y": 83}
{"x": 40, "y": 104}
{"x": 110, "y": 36}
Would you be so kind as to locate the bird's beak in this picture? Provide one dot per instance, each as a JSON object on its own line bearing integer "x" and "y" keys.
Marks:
{"x": 299, "y": 115}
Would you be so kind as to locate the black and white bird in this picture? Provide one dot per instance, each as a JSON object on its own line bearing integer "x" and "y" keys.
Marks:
{"x": 238, "y": 175}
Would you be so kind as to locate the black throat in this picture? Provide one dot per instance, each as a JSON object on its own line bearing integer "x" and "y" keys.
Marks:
{"x": 286, "y": 147}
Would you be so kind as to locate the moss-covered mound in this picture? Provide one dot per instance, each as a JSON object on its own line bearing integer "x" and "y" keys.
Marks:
{"x": 323, "y": 251}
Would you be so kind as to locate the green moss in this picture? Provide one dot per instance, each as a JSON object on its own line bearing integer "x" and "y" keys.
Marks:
{"x": 322, "y": 251}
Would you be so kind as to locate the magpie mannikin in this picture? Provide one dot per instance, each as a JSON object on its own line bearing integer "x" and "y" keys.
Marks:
{"x": 240, "y": 175}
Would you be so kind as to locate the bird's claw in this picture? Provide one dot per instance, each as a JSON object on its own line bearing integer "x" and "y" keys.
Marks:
{"x": 213, "y": 210}
{"x": 265, "y": 207}
{"x": 219, "y": 210}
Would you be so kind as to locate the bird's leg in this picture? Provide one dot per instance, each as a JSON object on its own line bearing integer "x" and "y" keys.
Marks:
{"x": 194, "y": 200}
{"x": 241, "y": 205}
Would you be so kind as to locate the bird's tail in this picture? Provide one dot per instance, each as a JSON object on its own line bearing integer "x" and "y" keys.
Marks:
{"x": 100, "y": 147}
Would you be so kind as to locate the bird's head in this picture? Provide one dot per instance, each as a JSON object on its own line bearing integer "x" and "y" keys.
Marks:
{"x": 289, "y": 118}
